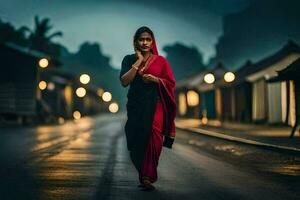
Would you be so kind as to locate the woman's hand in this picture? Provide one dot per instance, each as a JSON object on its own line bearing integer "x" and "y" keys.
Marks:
{"x": 150, "y": 78}
{"x": 139, "y": 55}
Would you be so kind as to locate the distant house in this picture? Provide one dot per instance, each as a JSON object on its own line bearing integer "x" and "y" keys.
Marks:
{"x": 19, "y": 78}
{"x": 33, "y": 88}
{"x": 210, "y": 105}
{"x": 291, "y": 75}
{"x": 240, "y": 93}
{"x": 59, "y": 93}
{"x": 268, "y": 99}
{"x": 251, "y": 97}
{"x": 63, "y": 98}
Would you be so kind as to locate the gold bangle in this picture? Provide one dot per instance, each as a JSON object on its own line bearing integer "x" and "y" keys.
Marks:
{"x": 135, "y": 67}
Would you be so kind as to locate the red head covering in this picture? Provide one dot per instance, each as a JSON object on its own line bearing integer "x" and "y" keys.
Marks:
{"x": 154, "y": 47}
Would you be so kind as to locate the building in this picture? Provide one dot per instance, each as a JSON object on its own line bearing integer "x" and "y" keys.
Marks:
{"x": 268, "y": 99}
{"x": 34, "y": 89}
{"x": 291, "y": 76}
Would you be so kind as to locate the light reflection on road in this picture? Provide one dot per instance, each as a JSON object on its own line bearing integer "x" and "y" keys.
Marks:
{"x": 68, "y": 150}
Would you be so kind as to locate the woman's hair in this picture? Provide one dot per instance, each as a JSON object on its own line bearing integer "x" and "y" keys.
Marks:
{"x": 139, "y": 32}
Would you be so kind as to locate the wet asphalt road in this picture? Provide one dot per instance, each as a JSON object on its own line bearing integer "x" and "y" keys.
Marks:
{"x": 88, "y": 159}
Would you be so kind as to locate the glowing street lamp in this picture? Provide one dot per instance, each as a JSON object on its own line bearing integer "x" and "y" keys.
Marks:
{"x": 106, "y": 96}
{"x": 192, "y": 98}
{"x": 76, "y": 114}
{"x": 84, "y": 79}
{"x": 43, "y": 63}
{"x": 209, "y": 78}
{"x": 80, "y": 92}
{"x": 42, "y": 85}
{"x": 113, "y": 107}
{"x": 204, "y": 120}
{"x": 229, "y": 77}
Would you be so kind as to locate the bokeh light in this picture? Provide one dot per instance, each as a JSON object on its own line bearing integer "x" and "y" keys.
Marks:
{"x": 84, "y": 79}
{"x": 209, "y": 78}
{"x": 106, "y": 96}
{"x": 113, "y": 107}
{"x": 43, "y": 63}
{"x": 76, "y": 114}
{"x": 51, "y": 86}
{"x": 42, "y": 85}
{"x": 229, "y": 76}
{"x": 192, "y": 98}
{"x": 80, "y": 92}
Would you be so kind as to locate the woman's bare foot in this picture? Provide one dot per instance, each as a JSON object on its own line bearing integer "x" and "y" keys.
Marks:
{"x": 148, "y": 185}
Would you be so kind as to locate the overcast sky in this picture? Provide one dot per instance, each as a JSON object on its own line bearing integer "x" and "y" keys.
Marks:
{"x": 112, "y": 23}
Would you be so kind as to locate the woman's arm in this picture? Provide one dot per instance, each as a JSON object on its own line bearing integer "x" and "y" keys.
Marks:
{"x": 129, "y": 76}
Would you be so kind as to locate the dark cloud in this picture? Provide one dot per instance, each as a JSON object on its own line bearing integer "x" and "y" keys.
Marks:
{"x": 219, "y": 7}
{"x": 192, "y": 22}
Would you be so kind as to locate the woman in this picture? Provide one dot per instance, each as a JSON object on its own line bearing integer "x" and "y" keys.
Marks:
{"x": 151, "y": 106}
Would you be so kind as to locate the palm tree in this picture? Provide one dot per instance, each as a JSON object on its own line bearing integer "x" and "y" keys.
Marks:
{"x": 39, "y": 38}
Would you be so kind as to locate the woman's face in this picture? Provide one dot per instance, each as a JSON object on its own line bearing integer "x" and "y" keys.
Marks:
{"x": 144, "y": 42}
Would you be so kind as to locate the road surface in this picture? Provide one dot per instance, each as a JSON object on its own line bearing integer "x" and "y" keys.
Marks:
{"x": 88, "y": 159}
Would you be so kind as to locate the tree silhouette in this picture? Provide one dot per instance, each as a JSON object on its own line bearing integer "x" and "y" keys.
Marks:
{"x": 40, "y": 37}
{"x": 9, "y": 34}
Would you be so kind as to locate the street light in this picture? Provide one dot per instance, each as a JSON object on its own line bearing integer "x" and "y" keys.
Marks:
{"x": 42, "y": 85}
{"x": 76, "y": 114}
{"x": 80, "y": 92}
{"x": 204, "y": 120}
{"x": 106, "y": 96}
{"x": 209, "y": 78}
{"x": 192, "y": 98}
{"x": 84, "y": 79}
{"x": 113, "y": 107}
{"x": 43, "y": 63}
{"x": 229, "y": 77}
